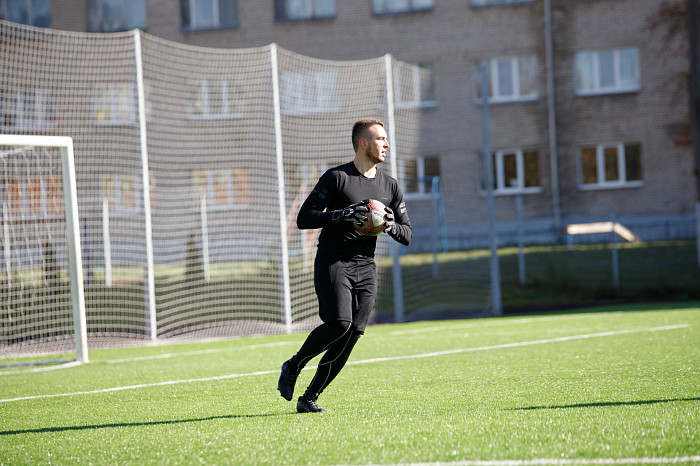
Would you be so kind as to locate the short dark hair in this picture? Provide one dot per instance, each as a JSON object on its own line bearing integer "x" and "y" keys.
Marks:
{"x": 359, "y": 130}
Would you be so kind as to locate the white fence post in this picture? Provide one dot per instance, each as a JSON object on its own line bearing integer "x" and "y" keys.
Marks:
{"x": 280, "y": 189}
{"x": 7, "y": 252}
{"x": 106, "y": 243}
{"x": 205, "y": 236}
{"x": 150, "y": 274}
{"x": 394, "y": 246}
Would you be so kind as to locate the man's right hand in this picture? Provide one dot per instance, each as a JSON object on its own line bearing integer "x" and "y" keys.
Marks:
{"x": 352, "y": 213}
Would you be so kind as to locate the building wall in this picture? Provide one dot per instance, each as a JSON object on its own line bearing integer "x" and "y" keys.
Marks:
{"x": 452, "y": 37}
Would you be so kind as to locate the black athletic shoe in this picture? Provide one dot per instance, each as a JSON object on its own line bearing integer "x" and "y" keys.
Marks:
{"x": 308, "y": 405}
{"x": 286, "y": 382}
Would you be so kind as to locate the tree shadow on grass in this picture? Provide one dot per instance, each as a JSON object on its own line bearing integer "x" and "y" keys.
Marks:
{"x": 43, "y": 430}
{"x": 604, "y": 403}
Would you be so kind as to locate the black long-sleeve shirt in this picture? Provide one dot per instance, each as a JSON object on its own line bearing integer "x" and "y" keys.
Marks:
{"x": 338, "y": 188}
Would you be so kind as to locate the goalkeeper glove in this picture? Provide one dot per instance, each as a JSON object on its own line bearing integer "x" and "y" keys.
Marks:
{"x": 352, "y": 213}
{"x": 390, "y": 223}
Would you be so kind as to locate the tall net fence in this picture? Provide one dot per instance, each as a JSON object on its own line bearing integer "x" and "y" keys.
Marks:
{"x": 191, "y": 165}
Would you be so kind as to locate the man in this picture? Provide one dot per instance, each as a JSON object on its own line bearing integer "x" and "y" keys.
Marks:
{"x": 345, "y": 275}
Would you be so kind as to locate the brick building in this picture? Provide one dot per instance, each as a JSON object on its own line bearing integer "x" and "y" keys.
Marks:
{"x": 586, "y": 125}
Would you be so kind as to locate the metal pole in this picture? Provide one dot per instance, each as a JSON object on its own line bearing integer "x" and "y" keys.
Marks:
{"x": 615, "y": 260}
{"x": 279, "y": 151}
{"x": 150, "y": 274}
{"x": 393, "y": 161}
{"x": 205, "y": 236}
{"x": 552, "y": 117}
{"x": 8, "y": 249}
{"x": 521, "y": 253}
{"x": 486, "y": 123}
{"x": 107, "y": 245}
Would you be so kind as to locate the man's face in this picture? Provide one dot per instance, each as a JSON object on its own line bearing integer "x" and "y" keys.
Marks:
{"x": 377, "y": 144}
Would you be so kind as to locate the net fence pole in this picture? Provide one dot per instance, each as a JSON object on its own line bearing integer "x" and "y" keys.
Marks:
{"x": 205, "y": 236}
{"x": 7, "y": 252}
{"x": 488, "y": 161}
{"x": 521, "y": 248}
{"x": 551, "y": 115}
{"x": 279, "y": 152}
{"x": 394, "y": 246}
{"x": 107, "y": 246}
{"x": 150, "y": 274}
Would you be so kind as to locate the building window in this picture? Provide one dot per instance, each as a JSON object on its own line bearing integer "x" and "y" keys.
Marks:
{"x": 510, "y": 79}
{"x": 221, "y": 188}
{"x": 608, "y": 71}
{"x": 122, "y": 193}
{"x": 514, "y": 172}
{"x": 27, "y": 109}
{"x": 114, "y": 104}
{"x": 609, "y": 165}
{"x": 414, "y": 86}
{"x": 479, "y": 3}
{"x": 387, "y": 7}
{"x": 299, "y": 10}
{"x": 34, "y": 197}
{"x": 200, "y": 15}
{"x": 116, "y": 15}
{"x": 32, "y": 12}
{"x": 308, "y": 93}
{"x": 417, "y": 175}
{"x": 214, "y": 98}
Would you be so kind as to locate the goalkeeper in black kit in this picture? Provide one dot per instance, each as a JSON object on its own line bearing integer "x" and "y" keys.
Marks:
{"x": 345, "y": 275}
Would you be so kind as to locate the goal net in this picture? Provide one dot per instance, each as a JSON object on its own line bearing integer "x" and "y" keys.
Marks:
{"x": 191, "y": 165}
{"x": 42, "y": 306}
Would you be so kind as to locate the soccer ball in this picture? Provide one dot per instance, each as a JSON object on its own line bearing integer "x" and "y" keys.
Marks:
{"x": 375, "y": 219}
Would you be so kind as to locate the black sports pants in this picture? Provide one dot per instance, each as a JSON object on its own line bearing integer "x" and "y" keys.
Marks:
{"x": 346, "y": 291}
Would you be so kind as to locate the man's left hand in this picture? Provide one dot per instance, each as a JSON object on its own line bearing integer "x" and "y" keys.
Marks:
{"x": 389, "y": 221}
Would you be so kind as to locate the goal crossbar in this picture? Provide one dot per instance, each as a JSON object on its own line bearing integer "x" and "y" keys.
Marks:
{"x": 65, "y": 145}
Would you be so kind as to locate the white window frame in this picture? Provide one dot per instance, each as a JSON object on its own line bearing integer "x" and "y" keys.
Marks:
{"x": 602, "y": 183}
{"x": 111, "y": 94}
{"x": 194, "y": 24}
{"x": 495, "y": 94}
{"x": 414, "y": 99}
{"x": 593, "y": 68}
{"x": 304, "y": 93}
{"x": 500, "y": 187}
{"x": 120, "y": 180}
{"x": 311, "y": 10}
{"x": 202, "y": 89}
{"x": 30, "y": 8}
{"x": 24, "y": 203}
{"x": 28, "y": 117}
{"x": 487, "y": 3}
{"x": 209, "y": 190}
{"x": 384, "y": 7}
{"x": 96, "y": 16}
{"x": 422, "y": 183}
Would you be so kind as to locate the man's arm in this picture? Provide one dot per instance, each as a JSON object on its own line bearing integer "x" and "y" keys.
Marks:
{"x": 313, "y": 213}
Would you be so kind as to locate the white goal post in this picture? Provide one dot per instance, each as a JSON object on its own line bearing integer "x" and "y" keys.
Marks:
{"x": 13, "y": 144}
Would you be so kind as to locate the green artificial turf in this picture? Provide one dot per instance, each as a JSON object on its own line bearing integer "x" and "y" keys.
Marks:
{"x": 602, "y": 387}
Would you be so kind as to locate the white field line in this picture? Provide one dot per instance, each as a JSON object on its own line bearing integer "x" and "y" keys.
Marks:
{"x": 197, "y": 352}
{"x": 563, "y": 462}
{"x": 522, "y": 343}
{"x": 364, "y": 361}
{"x": 153, "y": 356}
